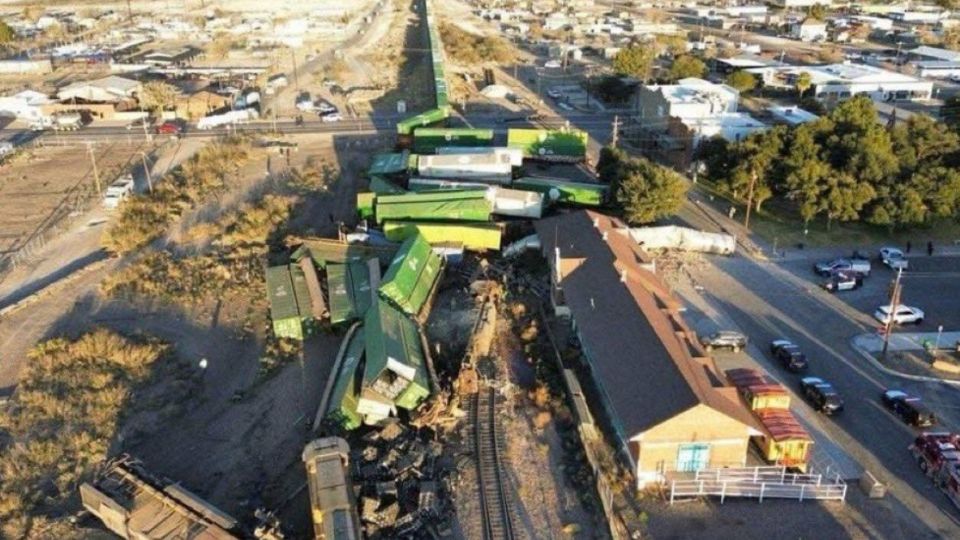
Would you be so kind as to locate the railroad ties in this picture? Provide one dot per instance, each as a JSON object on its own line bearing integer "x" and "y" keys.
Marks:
{"x": 491, "y": 481}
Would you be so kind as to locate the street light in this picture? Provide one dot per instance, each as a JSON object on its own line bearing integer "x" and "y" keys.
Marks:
{"x": 936, "y": 346}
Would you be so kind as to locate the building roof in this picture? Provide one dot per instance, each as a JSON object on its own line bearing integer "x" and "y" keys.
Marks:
{"x": 842, "y": 73}
{"x": 791, "y": 115}
{"x": 694, "y": 90}
{"x": 936, "y": 52}
{"x": 107, "y": 88}
{"x": 644, "y": 357}
{"x": 745, "y": 61}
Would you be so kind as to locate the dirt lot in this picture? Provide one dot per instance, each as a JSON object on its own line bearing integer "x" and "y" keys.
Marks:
{"x": 40, "y": 187}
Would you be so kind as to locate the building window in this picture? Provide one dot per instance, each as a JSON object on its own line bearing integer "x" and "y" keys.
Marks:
{"x": 693, "y": 457}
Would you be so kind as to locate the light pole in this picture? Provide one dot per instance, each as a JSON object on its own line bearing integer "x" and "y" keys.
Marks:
{"x": 894, "y": 301}
{"x": 936, "y": 345}
{"x": 143, "y": 155}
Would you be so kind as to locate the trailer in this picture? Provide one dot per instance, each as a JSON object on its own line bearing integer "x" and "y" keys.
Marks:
{"x": 348, "y": 289}
{"x": 427, "y": 140}
{"x": 227, "y": 119}
{"x": 467, "y": 166}
{"x": 342, "y": 408}
{"x": 517, "y": 203}
{"x": 561, "y": 191}
{"x": 436, "y": 184}
{"x": 472, "y": 236}
{"x": 466, "y": 205}
{"x": 433, "y": 116}
{"x": 515, "y": 154}
{"x": 283, "y": 304}
{"x": 553, "y": 145}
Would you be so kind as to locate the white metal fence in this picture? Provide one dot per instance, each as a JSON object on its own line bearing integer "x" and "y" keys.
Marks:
{"x": 757, "y": 482}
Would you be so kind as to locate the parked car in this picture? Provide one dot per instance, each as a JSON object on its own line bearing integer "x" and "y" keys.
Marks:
{"x": 843, "y": 281}
{"x": 325, "y": 107}
{"x": 909, "y": 408}
{"x": 861, "y": 266}
{"x": 788, "y": 354}
{"x": 331, "y": 117}
{"x": 554, "y": 93}
{"x": 553, "y": 64}
{"x": 724, "y": 339}
{"x": 821, "y": 395}
{"x": 565, "y": 106}
{"x": 117, "y": 191}
{"x": 904, "y": 315}
{"x": 894, "y": 258}
{"x": 169, "y": 127}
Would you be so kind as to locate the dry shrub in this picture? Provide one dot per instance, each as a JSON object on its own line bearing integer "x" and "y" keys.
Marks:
{"x": 62, "y": 420}
{"x": 542, "y": 419}
{"x": 144, "y": 218}
{"x": 467, "y": 48}
{"x": 518, "y": 309}
{"x": 531, "y": 332}
{"x": 540, "y": 396}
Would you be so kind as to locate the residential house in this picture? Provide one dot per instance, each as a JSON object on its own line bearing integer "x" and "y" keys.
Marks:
{"x": 664, "y": 402}
{"x": 837, "y": 82}
{"x": 927, "y": 53}
{"x": 809, "y": 29}
{"x": 26, "y": 105}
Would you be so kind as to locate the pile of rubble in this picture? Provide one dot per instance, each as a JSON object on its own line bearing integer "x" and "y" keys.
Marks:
{"x": 404, "y": 480}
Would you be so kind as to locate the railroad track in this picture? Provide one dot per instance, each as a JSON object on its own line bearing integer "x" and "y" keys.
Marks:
{"x": 494, "y": 500}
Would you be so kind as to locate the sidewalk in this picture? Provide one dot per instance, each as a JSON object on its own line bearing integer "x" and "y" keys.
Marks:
{"x": 870, "y": 345}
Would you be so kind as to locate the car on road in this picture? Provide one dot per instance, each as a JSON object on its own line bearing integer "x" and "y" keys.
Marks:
{"x": 909, "y": 408}
{"x": 331, "y": 117}
{"x": 821, "y": 395}
{"x": 565, "y": 106}
{"x": 903, "y": 315}
{"x": 554, "y": 93}
{"x": 861, "y": 266}
{"x": 894, "y": 258}
{"x": 724, "y": 339}
{"x": 788, "y": 354}
{"x": 325, "y": 107}
{"x": 553, "y": 64}
{"x": 843, "y": 281}
{"x": 169, "y": 127}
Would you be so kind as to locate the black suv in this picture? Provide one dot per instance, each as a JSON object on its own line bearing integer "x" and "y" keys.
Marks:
{"x": 724, "y": 339}
{"x": 910, "y": 409}
{"x": 789, "y": 355}
{"x": 821, "y": 395}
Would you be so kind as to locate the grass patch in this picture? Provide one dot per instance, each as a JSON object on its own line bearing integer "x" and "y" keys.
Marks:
{"x": 775, "y": 224}
{"x": 62, "y": 421}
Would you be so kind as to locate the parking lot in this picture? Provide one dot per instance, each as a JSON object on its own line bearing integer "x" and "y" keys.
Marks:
{"x": 769, "y": 301}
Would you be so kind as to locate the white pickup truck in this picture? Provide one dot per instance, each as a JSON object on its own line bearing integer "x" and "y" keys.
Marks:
{"x": 859, "y": 266}
{"x": 117, "y": 191}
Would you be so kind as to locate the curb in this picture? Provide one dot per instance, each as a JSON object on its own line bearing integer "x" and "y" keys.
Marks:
{"x": 895, "y": 373}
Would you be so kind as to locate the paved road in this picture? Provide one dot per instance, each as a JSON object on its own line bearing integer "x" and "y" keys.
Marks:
{"x": 771, "y": 300}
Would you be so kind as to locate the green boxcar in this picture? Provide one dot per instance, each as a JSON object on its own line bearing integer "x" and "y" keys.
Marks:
{"x": 381, "y": 186}
{"x": 393, "y": 344}
{"x": 412, "y": 275}
{"x": 283, "y": 304}
{"x": 436, "y": 184}
{"x": 550, "y": 144}
{"x": 348, "y": 286}
{"x": 427, "y": 140}
{"x": 302, "y": 293}
{"x": 562, "y": 191}
{"x": 365, "y": 204}
{"x": 325, "y": 251}
{"x": 446, "y": 205}
{"x": 342, "y": 407}
{"x": 406, "y": 127}
{"x": 473, "y": 236}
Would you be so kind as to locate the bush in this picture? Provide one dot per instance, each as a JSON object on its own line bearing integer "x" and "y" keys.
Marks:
{"x": 63, "y": 418}
{"x": 468, "y": 48}
{"x": 144, "y": 218}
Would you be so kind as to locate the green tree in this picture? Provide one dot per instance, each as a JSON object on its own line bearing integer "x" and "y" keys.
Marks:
{"x": 742, "y": 81}
{"x": 805, "y": 173}
{"x": 7, "y": 35}
{"x": 649, "y": 192}
{"x": 844, "y": 197}
{"x": 672, "y": 45}
{"x": 610, "y": 166}
{"x": 613, "y": 89}
{"x": 804, "y": 81}
{"x": 635, "y": 61}
{"x": 687, "y": 66}
{"x": 717, "y": 156}
{"x": 950, "y": 111}
{"x": 818, "y": 11}
{"x": 922, "y": 140}
{"x": 757, "y": 159}
{"x": 157, "y": 96}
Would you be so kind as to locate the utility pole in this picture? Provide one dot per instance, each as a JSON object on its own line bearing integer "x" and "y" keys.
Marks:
{"x": 746, "y": 215}
{"x": 96, "y": 173}
{"x": 296, "y": 77}
{"x": 615, "y": 135}
{"x": 894, "y": 302}
{"x": 146, "y": 169}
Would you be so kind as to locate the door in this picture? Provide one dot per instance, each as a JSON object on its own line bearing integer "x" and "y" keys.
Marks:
{"x": 693, "y": 457}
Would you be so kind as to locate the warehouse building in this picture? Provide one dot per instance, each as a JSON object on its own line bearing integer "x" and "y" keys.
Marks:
{"x": 661, "y": 395}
